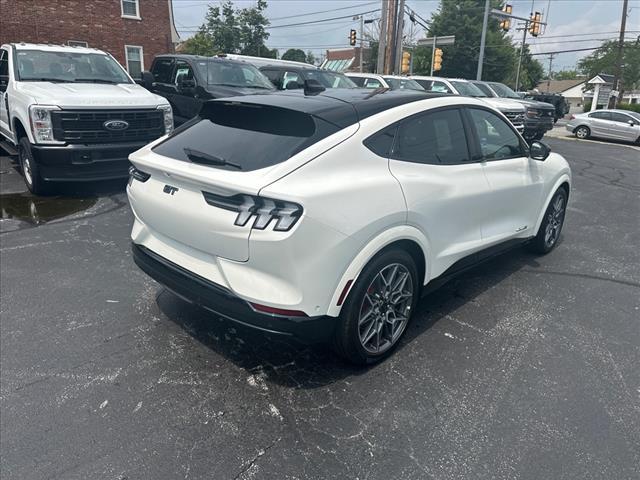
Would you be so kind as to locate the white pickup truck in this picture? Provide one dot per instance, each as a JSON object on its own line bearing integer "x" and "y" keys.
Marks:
{"x": 74, "y": 114}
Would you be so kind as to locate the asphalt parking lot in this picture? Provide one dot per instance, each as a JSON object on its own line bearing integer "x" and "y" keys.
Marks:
{"x": 526, "y": 367}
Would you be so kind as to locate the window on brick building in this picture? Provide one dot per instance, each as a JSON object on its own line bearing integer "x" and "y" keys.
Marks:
{"x": 77, "y": 43}
{"x": 135, "y": 60}
{"x": 130, "y": 8}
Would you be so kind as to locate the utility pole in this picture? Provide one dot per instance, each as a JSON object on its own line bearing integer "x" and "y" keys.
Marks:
{"x": 617, "y": 80}
{"x": 549, "y": 76}
{"x": 391, "y": 36}
{"x": 483, "y": 39}
{"x": 382, "y": 40}
{"x": 524, "y": 39}
{"x": 399, "y": 38}
{"x": 361, "y": 17}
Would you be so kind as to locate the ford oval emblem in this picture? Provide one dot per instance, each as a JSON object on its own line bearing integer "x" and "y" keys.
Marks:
{"x": 115, "y": 125}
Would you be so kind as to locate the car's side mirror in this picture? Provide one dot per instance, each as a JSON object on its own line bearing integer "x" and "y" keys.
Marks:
{"x": 147, "y": 80}
{"x": 631, "y": 122}
{"x": 292, "y": 85}
{"x": 539, "y": 151}
{"x": 187, "y": 83}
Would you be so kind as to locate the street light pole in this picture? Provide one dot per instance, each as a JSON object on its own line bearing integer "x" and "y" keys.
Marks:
{"x": 618, "y": 74}
{"x": 483, "y": 39}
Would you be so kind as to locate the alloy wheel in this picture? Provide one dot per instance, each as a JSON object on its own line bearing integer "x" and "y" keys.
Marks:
{"x": 25, "y": 161}
{"x": 581, "y": 133}
{"x": 385, "y": 309}
{"x": 554, "y": 222}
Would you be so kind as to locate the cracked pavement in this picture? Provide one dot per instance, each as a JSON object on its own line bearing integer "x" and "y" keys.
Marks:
{"x": 525, "y": 367}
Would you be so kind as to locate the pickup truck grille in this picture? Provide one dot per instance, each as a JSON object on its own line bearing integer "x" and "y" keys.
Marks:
{"x": 516, "y": 118}
{"x": 88, "y": 126}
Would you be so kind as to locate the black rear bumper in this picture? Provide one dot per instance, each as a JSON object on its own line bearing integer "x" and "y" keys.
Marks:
{"x": 78, "y": 163}
{"x": 223, "y": 302}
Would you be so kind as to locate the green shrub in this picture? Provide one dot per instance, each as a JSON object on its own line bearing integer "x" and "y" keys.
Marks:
{"x": 634, "y": 107}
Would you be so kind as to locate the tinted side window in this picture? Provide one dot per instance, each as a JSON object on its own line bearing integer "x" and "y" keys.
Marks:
{"x": 274, "y": 76}
{"x": 426, "y": 84}
{"x": 372, "y": 83}
{"x": 183, "y": 72}
{"x": 436, "y": 138}
{"x": 4, "y": 70}
{"x": 487, "y": 91}
{"x": 497, "y": 139}
{"x": 601, "y": 115}
{"x": 381, "y": 142}
{"x": 291, "y": 77}
{"x": 441, "y": 87}
{"x": 161, "y": 70}
{"x": 620, "y": 117}
{"x": 359, "y": 81}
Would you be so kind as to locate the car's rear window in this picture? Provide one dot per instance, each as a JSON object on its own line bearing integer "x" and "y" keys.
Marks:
{"x": 243, "y": 136}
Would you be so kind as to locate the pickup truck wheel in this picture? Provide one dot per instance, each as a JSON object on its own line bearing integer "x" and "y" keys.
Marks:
{"x": 30, "y": 170}
{"x": 378, "y": 308}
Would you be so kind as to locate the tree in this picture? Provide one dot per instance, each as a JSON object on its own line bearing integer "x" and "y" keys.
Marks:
{"x": 565, "y": 75}
{"x": 199, "y": 44}
{"x": 603, "y": 60}
{"x": 294, "y": 54}
{"x": 531, "y": 71}
{"x": 311, "y": 58}
{"x": 464, "y": 18}
{"x": 229, "y": 30}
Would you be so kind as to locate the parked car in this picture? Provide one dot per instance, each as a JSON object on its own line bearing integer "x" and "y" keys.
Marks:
{"x": 539, "y": 115}
{"x": 609, "y": 124}
{"x": 556, "y": 99}
{"x": 392, "y": 82}
{"x": 514, "y": 111}
{"x": 187, "y": 81}
{"x": 253, "y": 213}
{"x": 73, "y": 113}
{"x": 291, "y": 78}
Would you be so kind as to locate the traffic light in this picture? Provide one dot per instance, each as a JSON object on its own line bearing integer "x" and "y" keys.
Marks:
{"x": 534, "y": 25}
{"x": 352, "y": 38}
{"x": 406, "y": 62}
{"x": 437, "y": 60}
{"x": 505, "y": 24}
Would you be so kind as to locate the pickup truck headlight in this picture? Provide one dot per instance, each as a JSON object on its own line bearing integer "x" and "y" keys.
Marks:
{"x": 533, "y": 112}
{"x": 41, "y": 126}
{"x": 168, "y": 118}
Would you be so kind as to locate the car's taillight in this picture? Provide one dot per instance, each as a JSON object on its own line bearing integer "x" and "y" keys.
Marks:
{"x": 138, "y": 175}
{"x": 263, "y": 209}
{"x": 572, "y": 117}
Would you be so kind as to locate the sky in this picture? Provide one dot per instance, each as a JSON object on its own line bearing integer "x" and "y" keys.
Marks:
{"x": 572, "y": 24}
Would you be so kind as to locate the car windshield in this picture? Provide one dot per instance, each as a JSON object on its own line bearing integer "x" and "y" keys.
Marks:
{"x": 330, "y": 79}
{"x": 403, "y": 84}
{"x": 233, "y": 74}
{"x": 503, "y": 91}
{"x": 69, "y": 67}
{"x": 468, "y": 89}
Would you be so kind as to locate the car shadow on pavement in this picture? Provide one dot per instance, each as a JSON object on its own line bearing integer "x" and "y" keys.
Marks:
{"x": 286, "y": 362}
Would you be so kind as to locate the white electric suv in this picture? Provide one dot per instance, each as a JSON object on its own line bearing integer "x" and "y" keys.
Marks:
{"x": 323, "y": 215}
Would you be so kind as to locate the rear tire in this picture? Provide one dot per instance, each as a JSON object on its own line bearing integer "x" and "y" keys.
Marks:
{"x": 30, "y": 169}
{"x": 582, "y": 132}
{"x": 378, "y": 308}
{"x": 551, "y": 226}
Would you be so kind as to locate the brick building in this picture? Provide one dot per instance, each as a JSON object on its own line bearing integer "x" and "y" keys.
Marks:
{"x": 133, "y": 31}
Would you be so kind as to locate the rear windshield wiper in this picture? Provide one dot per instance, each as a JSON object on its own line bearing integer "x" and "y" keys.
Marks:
{"x": 204, "y": 158}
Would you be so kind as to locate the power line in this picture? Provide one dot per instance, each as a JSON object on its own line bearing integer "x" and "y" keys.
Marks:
{"x": 325, "y": 11}
{"x": 321, "y": 20}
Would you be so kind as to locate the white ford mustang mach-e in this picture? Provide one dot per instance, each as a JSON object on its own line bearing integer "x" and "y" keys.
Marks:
{"x": 324, "y": 215}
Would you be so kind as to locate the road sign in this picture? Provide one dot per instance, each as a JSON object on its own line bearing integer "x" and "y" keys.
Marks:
{"x": 444, "y": 40}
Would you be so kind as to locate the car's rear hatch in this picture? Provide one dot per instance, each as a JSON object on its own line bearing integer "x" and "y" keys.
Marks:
{"x": 232, "y": 151}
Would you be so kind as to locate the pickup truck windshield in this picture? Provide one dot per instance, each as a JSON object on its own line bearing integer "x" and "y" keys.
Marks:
{"x": 68, "y": 67}
{"x": 503, "y": 91}
{"x": 233, "y": 75}
{"x": 468, "y": 89}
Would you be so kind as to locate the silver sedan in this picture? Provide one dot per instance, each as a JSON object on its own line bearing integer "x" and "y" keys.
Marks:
{"x": 610, "y": 124}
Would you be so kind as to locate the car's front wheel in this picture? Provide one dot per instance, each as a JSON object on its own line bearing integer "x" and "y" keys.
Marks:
{"x": 378, "y": 308}
{"x": 582, "y": 132}
{"x": 552, "y": 222}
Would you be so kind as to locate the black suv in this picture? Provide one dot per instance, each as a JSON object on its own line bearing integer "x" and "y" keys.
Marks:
{"x": 539, "y": 117}
{"x": 556, "y": 99}
{"x": 288, "y": 77}
{"x": 187, "y": 81}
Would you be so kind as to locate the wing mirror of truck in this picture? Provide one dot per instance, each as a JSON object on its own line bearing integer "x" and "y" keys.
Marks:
{"x": 187, "y": 83}
{"x": 539, "y": 151}
{"x": 146, "y": 80}
{"x": 292, "y": 85}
